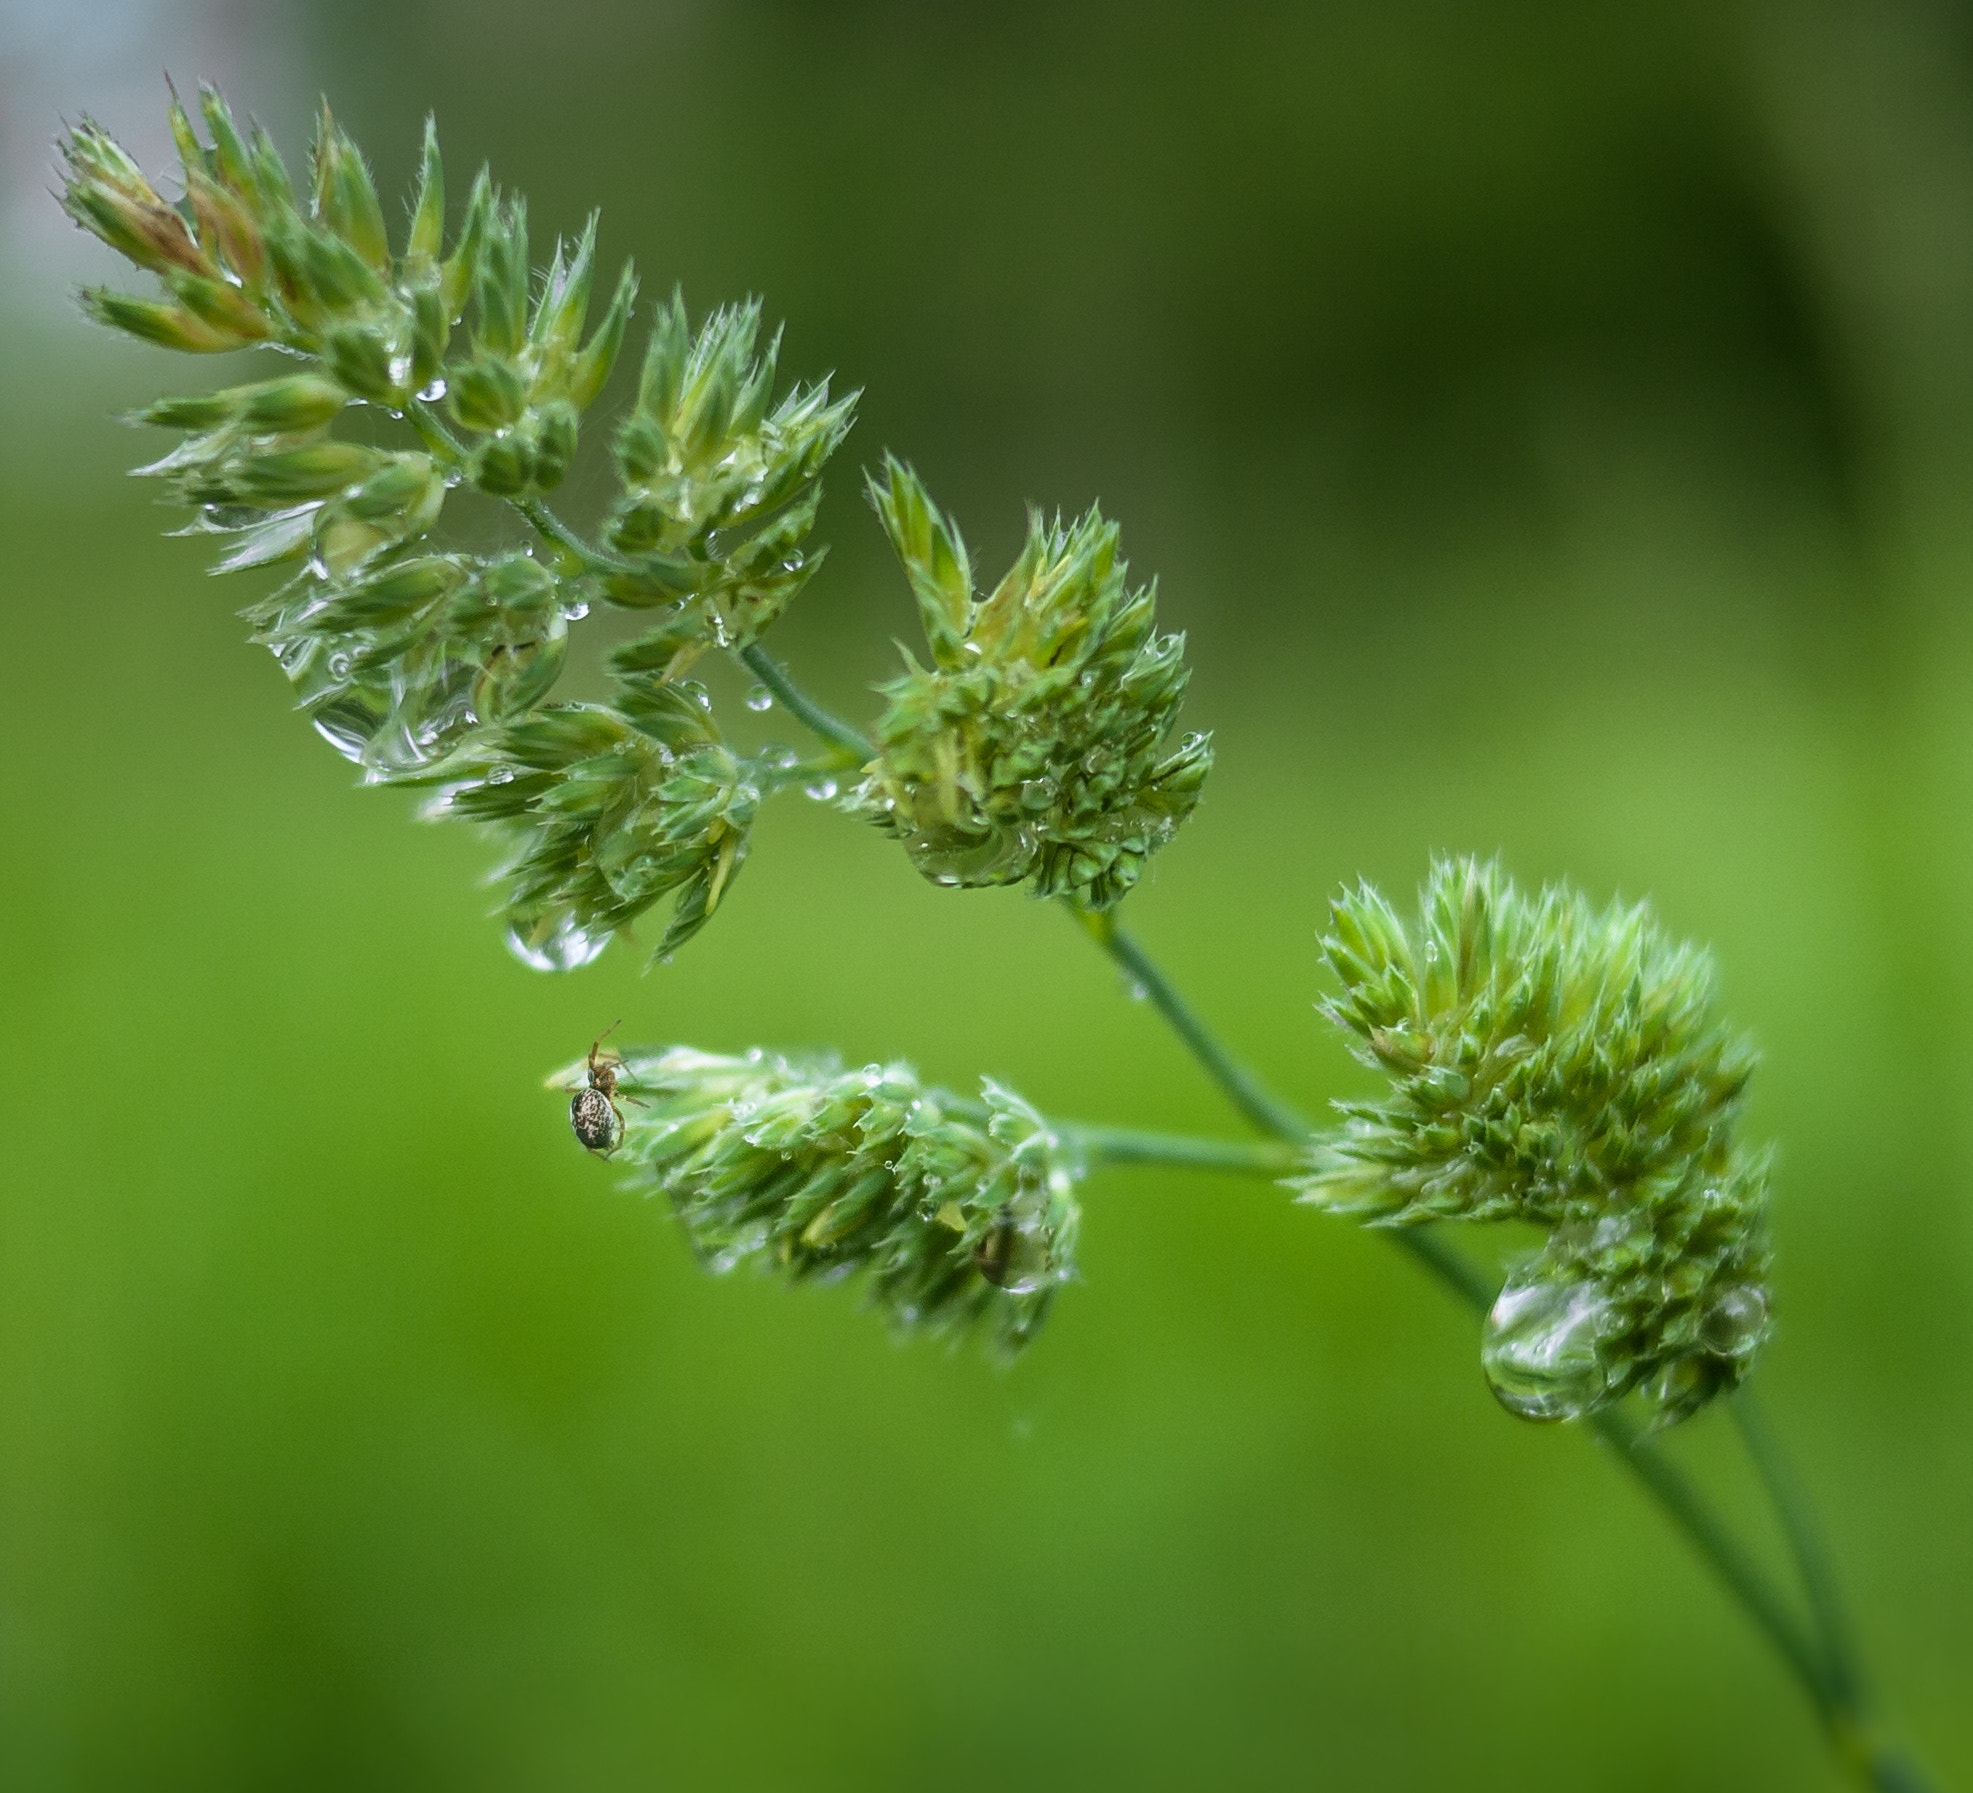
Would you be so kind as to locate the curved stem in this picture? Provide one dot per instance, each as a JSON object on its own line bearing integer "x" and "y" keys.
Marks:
{"x": 798, "y": 704}
{"x": 1666, "y": 1484}
{"x": 1246, "y": 1091}
{"x": 1854, "y": 1723}
{"x": 1805, "y": 1544}
{"x": 1808, "y": 1655}
{"x": 436, "y": 436}
{"x": 772, "y": 778}
{"x": 1181, "y": 1151}
{"x": 553, "y": 529}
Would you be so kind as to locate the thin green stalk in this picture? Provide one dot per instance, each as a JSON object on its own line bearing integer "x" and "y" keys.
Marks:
{"x": 1130, "y": 1145}
{"x": 779, "y": 778}
{"x": 1805, "y": 1543}
{"x": 1663, "y": 1481}
{"x": 1861, "y": 1730}
{"x": 1808, "y": 1656}
{"x": 451, "y": 452}
{"x": 1248, "y": 1094}
{"x": 798, "y": 704}
{"x": 553, "y": 529}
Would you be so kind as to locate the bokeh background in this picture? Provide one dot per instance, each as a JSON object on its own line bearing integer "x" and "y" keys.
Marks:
{"x": 1553, "y": 425}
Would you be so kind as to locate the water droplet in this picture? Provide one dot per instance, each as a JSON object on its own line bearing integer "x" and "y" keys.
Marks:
{"x": 432, "y": 393}
{"x": 821, "y": 789}
{"x": 1542, "y": 1347}
{"x": 561, "y": 947}
{"x": 576, "y": 612}
{"x": 346, "y": 738}
{"x": 339, "y": 663}
{"x": 950, "y": 856}
{"x": 1736, "y": 1321}
{"x": 500, "y": 775}
{"x": 1014, "y": 1256}
{"x": 1134, "y": 990}
{"x": 760, "y": 699}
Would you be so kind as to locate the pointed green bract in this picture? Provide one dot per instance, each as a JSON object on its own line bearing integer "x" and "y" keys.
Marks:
{"x": 1562, "y": 1066}
{"x": 1036, "y": 746}
{"x": 956, "y": 1216}
{"x": 427, "y": 235}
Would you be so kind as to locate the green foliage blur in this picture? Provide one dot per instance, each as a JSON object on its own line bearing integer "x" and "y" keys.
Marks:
{"x": 1554, "y": 426}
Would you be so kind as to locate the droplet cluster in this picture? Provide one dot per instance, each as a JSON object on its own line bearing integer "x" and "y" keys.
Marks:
{"x": 957, "y": 1215}
{"x": 1562, "y": 1066}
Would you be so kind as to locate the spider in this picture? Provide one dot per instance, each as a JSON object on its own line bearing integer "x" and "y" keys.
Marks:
{"x": 594, "y": 1116}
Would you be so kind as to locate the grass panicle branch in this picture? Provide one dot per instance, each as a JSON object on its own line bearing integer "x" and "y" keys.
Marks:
{"x": 439, "y": 363}
{"x": 1543, "y": 1061}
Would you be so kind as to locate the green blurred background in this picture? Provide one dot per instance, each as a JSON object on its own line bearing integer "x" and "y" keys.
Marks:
{"x": 1553, "y": 425}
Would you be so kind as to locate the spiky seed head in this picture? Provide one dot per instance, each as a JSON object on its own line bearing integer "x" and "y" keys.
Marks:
{"x": 1561, "y": 1066}
{"x": 956, "y": 1215}
{"x": 1036, "y": 746}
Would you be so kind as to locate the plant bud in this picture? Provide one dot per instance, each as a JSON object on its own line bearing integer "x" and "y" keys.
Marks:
{"x": 460, "y": 274}
{"x": 487, "y": 394}
{"x": 431, "y": 330}
{"x": 421, "y": 249}
{"x": 227, "y": 228}
{"x": 231, "y": 162}
{"x": 394, "y": 488}
{"x": 337, "y": 275}
{"x": 204, "y": 411}
{"x": 346, "y": 197}
{"x": 502, "y": 466}
{"x": 169, "y": 326}
{"x": 318, "y": 471}
{"x": 291, "y": 406}
{"x": 554, "y": 444}
{"x": 220, "y": 304}
{"x": 592, "y": 367}
{"x": 361, "y": 361}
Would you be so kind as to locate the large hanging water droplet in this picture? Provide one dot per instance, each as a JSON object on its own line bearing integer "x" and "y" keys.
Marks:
{"x": 821, "y": 789}
{"x": 1014, "y": 1256}
{"x": 1736, "y": 1321}
{"x": 760, "y": 699}
{"x": 1542, "y": 1348}
{"x": 1000, "y": 855}
{"x": 562, "y": 947}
